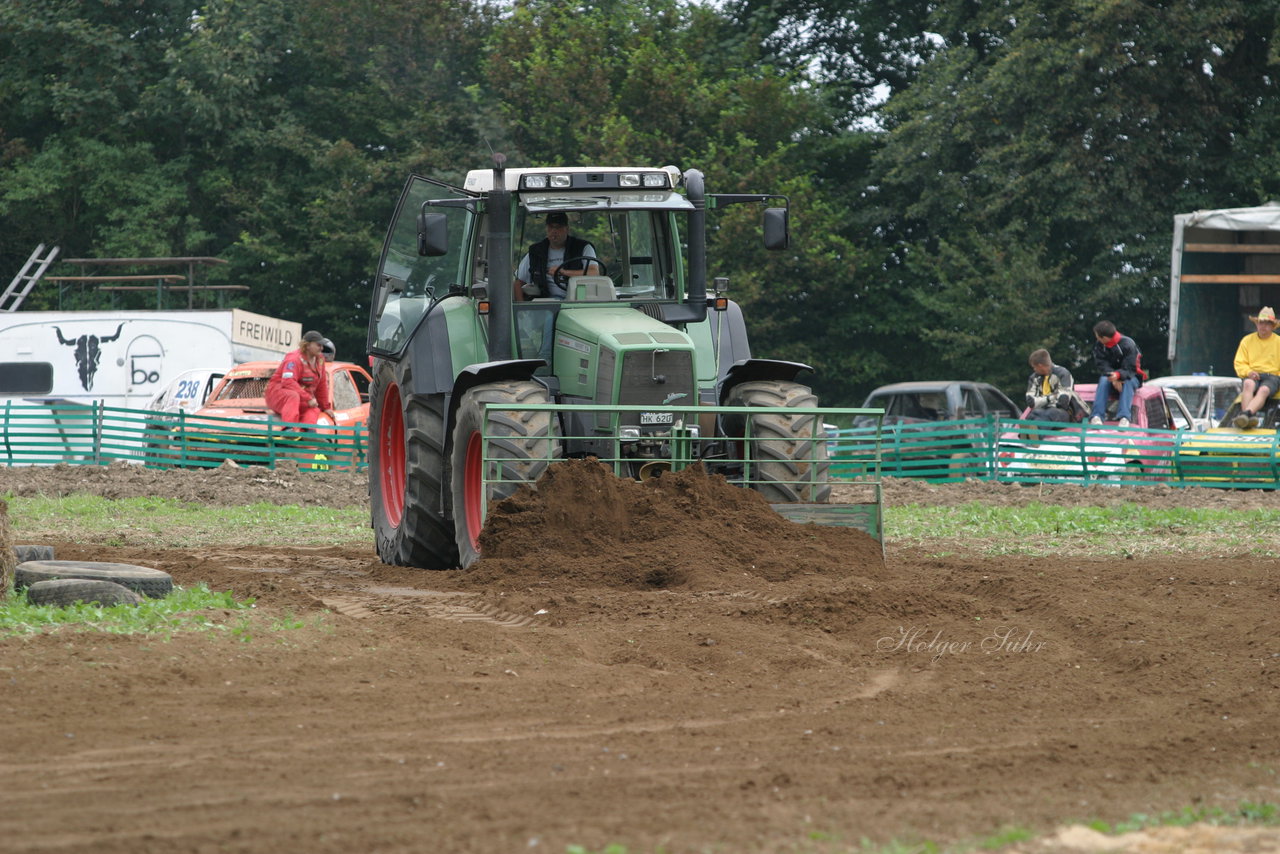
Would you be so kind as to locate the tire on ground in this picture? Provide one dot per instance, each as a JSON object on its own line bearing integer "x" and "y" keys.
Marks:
{"x": 521, "y": 446}
{"x": 68, "y": 591}
{"x": 788, "y": 454}
{"x": 26, "y": 553}
{"x": 408, "y": 493}
{"x": 140, "y": 579}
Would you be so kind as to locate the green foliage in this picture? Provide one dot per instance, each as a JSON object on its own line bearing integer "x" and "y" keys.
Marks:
{"x": 1053, "y": 152}
{"x": 968, "y": 181}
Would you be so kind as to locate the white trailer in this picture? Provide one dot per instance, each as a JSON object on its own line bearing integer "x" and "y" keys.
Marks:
{"x": 123, "y": 358}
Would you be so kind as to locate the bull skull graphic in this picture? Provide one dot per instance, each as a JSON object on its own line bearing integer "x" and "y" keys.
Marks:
{"x": 88, "y": 353}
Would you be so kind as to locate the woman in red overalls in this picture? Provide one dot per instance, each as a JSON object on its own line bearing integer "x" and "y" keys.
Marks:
{"x": 299, "y": 389}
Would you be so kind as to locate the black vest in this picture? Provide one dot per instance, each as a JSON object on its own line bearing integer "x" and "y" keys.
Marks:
{"x": 574, "y": 247}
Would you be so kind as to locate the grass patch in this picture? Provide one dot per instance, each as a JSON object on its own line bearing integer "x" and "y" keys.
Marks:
{"x": 817, "y": 842}
{"x": 1039, "y": 529}
{"x": 183, "y": 610}
{"x": 168, "y": 523}
{"x": 1246, "y": 814}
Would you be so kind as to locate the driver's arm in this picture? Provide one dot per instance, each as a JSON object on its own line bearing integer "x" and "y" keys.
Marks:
{"x": 521, "y": 279}
{"x": 592, "y": 269}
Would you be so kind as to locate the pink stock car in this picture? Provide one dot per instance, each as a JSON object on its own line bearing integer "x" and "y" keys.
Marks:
{"x": 1106, "y": 452}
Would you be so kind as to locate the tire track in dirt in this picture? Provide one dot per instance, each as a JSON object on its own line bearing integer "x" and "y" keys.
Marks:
{"x": 459, "y": 607}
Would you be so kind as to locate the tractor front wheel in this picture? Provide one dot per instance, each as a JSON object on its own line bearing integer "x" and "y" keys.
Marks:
{"x": 406, "y": 464}
{"x": 519, "y": 447}
{"x": 787, "y": 454}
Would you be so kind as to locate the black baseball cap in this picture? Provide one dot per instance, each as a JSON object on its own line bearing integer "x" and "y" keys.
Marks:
{"x": 557, "y": 218}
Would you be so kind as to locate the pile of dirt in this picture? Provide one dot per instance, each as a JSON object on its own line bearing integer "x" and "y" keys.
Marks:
{"x": 684, "y": 528}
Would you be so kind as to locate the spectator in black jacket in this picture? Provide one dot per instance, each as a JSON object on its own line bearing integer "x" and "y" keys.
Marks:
{"x": 1051, "y": 392}
{"x": 1119, "y": 363}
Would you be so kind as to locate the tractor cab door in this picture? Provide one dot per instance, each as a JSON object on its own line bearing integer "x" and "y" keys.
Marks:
{"x": 409, "y": 283}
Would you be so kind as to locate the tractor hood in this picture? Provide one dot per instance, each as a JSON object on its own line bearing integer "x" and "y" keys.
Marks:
{"x": 620, "y": 355}
{"x": 620, "y": 328}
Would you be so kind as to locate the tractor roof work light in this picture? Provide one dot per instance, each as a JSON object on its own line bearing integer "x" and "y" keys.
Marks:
{"x": 558, "y": 181}
{"x": 600, "y": 179}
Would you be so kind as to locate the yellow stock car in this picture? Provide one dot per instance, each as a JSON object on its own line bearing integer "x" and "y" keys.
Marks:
{"x": 1227, "y": 453}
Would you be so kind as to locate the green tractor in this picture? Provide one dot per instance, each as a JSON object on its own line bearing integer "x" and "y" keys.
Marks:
{"x": 456, "y": 341}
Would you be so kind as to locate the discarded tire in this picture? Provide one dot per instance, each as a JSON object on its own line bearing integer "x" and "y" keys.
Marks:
{"x": 140, "y": 579}
{"x": 26, "y": 553}
{"x": 68, "y": 591}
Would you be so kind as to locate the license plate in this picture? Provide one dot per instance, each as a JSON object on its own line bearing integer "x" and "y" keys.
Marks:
{"x": 657, "y": 418}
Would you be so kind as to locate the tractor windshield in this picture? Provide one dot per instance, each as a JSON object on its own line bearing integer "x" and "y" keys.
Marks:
{"x": 634, "y": 247}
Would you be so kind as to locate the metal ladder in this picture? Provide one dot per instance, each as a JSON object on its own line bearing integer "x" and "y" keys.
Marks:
{"x": 26, "y": 280}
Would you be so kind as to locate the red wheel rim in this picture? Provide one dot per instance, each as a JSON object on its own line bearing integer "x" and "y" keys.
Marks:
{"x": 391, "y": 456}
{"x": 473, "y": 489}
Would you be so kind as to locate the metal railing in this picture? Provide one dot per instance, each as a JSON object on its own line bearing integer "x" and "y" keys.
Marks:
{"x": 793, "y": 472}
{"x": 976, "y": 448}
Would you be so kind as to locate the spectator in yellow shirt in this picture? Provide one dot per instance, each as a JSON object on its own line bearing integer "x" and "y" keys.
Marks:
{"x": 1258, "y": 364}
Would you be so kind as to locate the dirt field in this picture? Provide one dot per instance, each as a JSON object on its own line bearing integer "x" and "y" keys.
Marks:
{"x": 668, "y": 665}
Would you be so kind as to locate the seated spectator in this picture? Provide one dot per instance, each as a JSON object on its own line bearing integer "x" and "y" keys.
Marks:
{"x": 1119, "y": 362}
{"x": 1051, "y": 394}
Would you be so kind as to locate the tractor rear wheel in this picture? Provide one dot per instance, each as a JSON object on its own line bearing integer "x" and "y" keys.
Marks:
{"x": 407, "y": 493}
{"x": 521, "y": 444}
{"x": 788, "y": 453}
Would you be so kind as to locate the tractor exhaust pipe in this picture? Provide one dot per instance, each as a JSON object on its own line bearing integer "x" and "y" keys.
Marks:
{"x": 694, "y": 307}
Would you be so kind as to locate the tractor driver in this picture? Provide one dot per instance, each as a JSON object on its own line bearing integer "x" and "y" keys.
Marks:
{"x": 538, "y": 269}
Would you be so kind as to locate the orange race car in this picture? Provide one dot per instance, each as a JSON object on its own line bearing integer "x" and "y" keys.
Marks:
{"x": 218, "y": 431}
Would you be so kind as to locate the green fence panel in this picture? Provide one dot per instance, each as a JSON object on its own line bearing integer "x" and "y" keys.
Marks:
{"x": 92, "y": 434}
{"x": 1018, "y": 451}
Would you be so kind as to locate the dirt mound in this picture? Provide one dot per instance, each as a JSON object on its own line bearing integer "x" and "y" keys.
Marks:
{"x": 582, "y": 523}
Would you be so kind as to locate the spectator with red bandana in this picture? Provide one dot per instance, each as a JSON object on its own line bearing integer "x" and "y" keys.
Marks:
{"x": 299, "y": 389}
{"x": 1119, "y": 363}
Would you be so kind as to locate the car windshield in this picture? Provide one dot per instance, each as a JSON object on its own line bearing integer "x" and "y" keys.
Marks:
{"x": 926, "y": 406}
{"x": 1194, "y": 397}
{"x": 242, "y": 388}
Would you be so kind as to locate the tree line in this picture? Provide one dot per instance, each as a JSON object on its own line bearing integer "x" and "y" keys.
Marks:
{"x": 968, "y": 181}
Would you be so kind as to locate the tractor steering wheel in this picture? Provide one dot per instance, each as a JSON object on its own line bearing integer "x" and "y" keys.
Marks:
{"x": 562, "y": 280}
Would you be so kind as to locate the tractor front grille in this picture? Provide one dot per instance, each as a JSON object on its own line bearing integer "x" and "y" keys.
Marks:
{"x": 656, "y": 378}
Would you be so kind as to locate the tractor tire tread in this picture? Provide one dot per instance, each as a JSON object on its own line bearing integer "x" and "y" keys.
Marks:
{"x": 790, "y": 451}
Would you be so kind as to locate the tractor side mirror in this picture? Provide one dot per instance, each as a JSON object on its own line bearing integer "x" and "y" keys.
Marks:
{"x": 433, "y": 234}
{"x": 776, "y": 232}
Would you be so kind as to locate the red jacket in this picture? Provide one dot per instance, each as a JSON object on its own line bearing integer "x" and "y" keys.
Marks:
{"x": 305, "y": 380}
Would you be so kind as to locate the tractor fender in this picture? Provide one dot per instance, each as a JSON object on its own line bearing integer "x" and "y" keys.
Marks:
{"x": 749, "y": 370}
{"x": 487, "y": 372}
